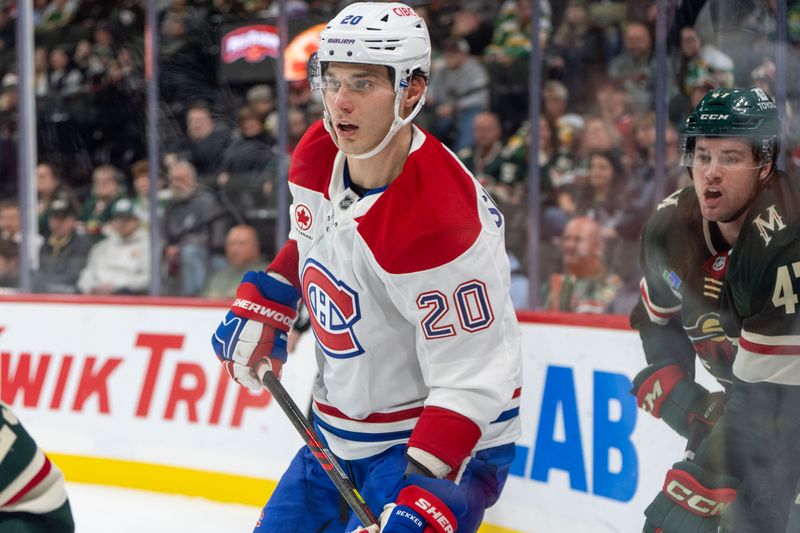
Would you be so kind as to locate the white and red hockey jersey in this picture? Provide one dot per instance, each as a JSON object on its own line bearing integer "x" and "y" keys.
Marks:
{"x": 407, "y": 288}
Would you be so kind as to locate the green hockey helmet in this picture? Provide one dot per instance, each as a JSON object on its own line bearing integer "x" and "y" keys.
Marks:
{"x": 746, "y": 113}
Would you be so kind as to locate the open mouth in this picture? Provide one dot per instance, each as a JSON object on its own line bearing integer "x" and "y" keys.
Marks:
{"x": 712, "y": 194}
{"x": 346, "y": 127}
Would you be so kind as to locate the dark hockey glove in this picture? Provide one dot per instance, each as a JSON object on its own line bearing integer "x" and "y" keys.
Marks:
{"x": 255, "y": 329}
{"x": 665, "y": 391}
{"x": 691, "y": 501}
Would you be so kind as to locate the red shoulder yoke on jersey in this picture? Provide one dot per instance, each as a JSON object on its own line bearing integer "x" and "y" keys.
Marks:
{"x": 312, "y": 160}
{"x": 446, "y": 434}
{"x": 420, "y": 223}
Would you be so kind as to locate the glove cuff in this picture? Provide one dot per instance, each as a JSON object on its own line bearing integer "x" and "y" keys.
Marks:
{"x": 684, "y": 489}
{"x": 652, "y": 392}
{"x": 278, "y": 312}
{"x": 427, "y": 506}
{"x": 445, "y": 434}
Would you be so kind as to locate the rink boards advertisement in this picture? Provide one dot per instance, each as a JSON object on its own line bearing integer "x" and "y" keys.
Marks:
{"x": 127, "y": 392}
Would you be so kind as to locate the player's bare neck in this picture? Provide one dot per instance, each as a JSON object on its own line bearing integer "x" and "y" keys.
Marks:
{"x": 730, "y": 230}
{"x": 384, "y": 167}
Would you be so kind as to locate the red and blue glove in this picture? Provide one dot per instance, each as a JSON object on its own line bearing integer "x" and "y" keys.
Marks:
{"x": 424, "y": 505}
{"x": 691, "y": 501}
{"x": 255, "y": 329}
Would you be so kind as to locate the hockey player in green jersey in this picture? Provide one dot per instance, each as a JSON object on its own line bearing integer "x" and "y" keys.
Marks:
{"x": 32, "y": 496}
{"x": 744, "y": 473}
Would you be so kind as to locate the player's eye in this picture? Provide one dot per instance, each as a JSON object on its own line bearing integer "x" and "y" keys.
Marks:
{"x": 363, "y": 85}
{"x": 332, "y": 84}
{"x": 703, "y": 159}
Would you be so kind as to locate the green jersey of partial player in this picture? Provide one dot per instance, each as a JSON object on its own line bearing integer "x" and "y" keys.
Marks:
{"x": 684, "y": 259}
{"x": 762, "y": 287}
{"x": 32, "y": 496}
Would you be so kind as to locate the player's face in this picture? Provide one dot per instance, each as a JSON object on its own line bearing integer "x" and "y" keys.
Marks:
{"x": 360, "y": 100}
{"x": 725, "y": 174}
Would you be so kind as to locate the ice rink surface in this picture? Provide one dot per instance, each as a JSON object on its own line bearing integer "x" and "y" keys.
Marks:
{"x": 100, "y": 509}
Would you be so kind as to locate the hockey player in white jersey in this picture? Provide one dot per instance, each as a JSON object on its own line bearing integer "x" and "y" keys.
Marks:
{"x": 399, "y": 256}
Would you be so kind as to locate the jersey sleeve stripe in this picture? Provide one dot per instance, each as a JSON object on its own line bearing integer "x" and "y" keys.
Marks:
{"x": 360, "y": 436}
{"x": 379, "y": 418}
{"x": 770, "y": 345}
{"x": 37, "y": 489}
{"x": 659, "y": 315}
{"x": 506, "y": 415}
{"x": 33, "y": 467}
{"x": 35, "y": 480}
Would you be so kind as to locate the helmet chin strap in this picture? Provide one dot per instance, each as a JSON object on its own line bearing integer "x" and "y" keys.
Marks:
{"x": 397, "y": 123}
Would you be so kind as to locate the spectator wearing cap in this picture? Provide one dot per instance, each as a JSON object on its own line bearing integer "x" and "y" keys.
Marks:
{"x": 49, "y": 188}
{"x": 243, "y": 254}
{"x": 64, "y": 253}
{"x": 459, "y": 90}
{"x": 120, "y": 263}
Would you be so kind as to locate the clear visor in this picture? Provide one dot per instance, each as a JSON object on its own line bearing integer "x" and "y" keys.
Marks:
{"x": 327, "y": 83}
{"x": 724, "y": 152}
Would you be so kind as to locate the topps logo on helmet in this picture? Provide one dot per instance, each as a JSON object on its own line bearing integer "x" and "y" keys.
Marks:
{"x": 714, "y": 116}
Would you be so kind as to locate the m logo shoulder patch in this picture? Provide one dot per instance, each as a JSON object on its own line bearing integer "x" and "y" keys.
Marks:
{"x": 773, "y": 223}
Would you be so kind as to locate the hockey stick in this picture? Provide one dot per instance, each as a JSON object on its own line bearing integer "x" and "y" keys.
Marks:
{"x": 697, "y": 431}
{"x": 326, "y": 459}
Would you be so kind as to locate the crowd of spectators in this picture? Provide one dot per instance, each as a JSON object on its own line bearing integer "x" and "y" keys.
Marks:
{"x": 218, "y": 138}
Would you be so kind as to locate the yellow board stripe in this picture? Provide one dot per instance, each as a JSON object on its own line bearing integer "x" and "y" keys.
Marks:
{"x": 228, "y": 488}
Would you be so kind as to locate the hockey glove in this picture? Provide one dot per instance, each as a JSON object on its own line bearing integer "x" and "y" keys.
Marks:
{"x": 665, "y": 391}
{"x": 691, "y": 501}
{"x": 256, "y": 327}
{"x": 424, "y": 505}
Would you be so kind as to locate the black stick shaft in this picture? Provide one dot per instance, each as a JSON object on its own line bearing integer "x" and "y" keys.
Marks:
{"x": 323, "y": 455}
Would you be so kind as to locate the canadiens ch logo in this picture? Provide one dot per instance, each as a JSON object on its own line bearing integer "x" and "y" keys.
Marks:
{"x": 333, "y": 309}
{"x": 303, "y": 217}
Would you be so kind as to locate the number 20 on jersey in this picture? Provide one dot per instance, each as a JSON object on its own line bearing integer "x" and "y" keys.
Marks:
{"x": 472, "y": 306}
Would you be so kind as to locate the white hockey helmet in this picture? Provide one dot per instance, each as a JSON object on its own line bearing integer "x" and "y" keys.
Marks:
{"x": 373, "y": 33}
